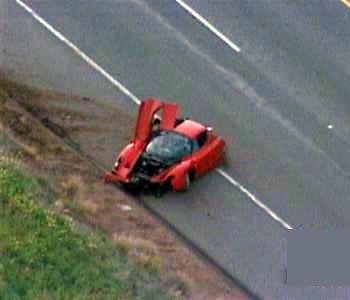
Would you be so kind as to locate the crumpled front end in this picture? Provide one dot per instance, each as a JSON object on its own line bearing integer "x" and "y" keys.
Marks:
{"x": 145, "y": 173}
{"x": 117, "y": 176}
{"x": 130, "y": 168}
{"x": 148, "y": 172}
{"x": 125, "y": 164}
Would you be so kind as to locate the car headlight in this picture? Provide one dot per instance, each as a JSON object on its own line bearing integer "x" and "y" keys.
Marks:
{"x": 117, "y": 163}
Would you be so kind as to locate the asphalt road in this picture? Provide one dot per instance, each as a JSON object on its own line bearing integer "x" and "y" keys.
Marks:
{"x": 272, "y": 102}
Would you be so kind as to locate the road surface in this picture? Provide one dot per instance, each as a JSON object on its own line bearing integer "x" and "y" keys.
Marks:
{"x": 281, "y": 104}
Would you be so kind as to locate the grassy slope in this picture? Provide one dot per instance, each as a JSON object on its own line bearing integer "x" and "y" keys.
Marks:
{"x": 43, "y": 257}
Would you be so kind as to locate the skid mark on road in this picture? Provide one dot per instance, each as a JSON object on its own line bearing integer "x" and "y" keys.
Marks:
{"x": 129, "y": 94}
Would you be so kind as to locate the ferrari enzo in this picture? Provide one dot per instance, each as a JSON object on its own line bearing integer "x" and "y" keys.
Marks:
{"x": 166, "y": 153}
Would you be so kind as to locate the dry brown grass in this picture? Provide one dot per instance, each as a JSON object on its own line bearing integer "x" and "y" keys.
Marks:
{"x": 89, "y": 207}
{"x": 71, "y": 186}
{"x": 3, "y": 96}
{"x": 28, "y": 98}
{"x": 83, "y": 127}
{"x": 144, "y": 252}
{"x": 90, "y": 192}
{"x": 21, "y": 112}
{"x": 26, "y": 131}
{"x": 178, "y": 284}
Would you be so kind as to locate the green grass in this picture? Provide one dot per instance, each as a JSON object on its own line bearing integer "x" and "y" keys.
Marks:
{"x": 43, "y": 256}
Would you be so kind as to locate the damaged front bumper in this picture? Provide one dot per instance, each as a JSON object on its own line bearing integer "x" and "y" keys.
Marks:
{"x": 138, "y": 180}
{"x": 112, "y": 176}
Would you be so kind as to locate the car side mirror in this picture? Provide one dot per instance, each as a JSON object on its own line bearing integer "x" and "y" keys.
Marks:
{"x": 156, "y": 121}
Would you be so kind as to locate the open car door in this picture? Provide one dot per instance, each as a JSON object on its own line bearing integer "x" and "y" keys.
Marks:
{"x": 170, "y": 112}
{"x": 147, "y": 110}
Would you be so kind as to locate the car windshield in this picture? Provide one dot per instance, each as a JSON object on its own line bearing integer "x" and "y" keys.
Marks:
{"x": 169, "y": 146}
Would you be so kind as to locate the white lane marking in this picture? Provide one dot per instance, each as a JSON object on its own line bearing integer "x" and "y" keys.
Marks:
{"x": 123, "y": 89}
{"x": 346, "y": 3}
{"x": 238, "y": 83}
{"x": 79, "y": 52}
{"x": 207, "y": 24}
{"x": 252, "y": 197}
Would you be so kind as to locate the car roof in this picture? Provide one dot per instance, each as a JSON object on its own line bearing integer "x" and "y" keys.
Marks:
{"x": 190, "y": 129}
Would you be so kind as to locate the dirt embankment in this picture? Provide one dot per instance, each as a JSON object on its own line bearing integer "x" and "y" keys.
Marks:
{"x": 41, "y": 124}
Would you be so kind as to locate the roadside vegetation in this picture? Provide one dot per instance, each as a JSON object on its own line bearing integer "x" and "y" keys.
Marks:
{"x": 42, "y": 256}
{"x": 63, "y": 233}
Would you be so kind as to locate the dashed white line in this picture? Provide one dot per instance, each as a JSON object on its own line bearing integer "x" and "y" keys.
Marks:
{"x": 207, "y": 24}
{"x": 136, "y": 100}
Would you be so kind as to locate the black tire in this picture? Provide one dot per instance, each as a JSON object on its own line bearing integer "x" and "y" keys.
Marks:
{"x": 192, "y": 175}
{"x": 132, "y": 188}
{"x": 159, "y": 192}
{"x": 162, "y": 189}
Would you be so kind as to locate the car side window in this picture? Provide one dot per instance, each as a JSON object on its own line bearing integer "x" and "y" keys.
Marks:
{"x": 195, "y": 146}
{"x": 202, "y": 138}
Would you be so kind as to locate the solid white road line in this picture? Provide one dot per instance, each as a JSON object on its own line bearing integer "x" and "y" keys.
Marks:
{"x": 252, "y": 197}
{"x": 207, "y": 24}
{"x": 79, "y": 52}
{"x": 346, "y": 3}
{"x": 123, "y": 89}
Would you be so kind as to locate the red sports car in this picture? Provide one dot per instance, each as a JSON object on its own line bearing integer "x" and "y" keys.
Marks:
{"x": 167, "y": 152}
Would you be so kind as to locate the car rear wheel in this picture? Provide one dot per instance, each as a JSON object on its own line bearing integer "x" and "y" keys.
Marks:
{"x": 163, "y": 188}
